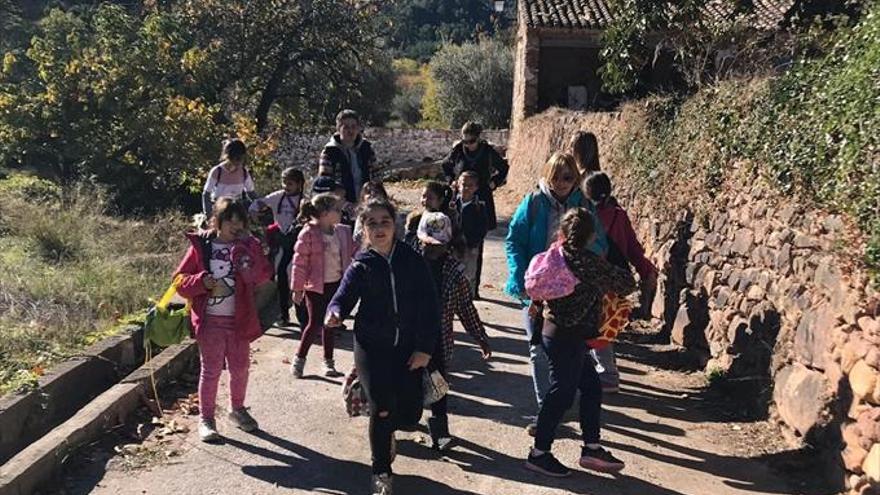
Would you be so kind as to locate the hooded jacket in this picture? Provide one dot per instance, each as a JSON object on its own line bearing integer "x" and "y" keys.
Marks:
{"x": 307, "y": 272}
{"x": 619, "y": 228}
{"x": 336, "y": 163}
{"x": 529, "y": 233}
{"x": 398, "y": 301}
{"x": 194, "y": 268}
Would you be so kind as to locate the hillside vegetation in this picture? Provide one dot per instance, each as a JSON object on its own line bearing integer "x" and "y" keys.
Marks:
{"x": 813, "y": 131}
{"x": 69, "y": 272}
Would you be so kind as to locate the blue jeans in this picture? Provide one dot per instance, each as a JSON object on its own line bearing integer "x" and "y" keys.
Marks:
{"x": 540, "y": 367}
{"x": 570, "y": 370}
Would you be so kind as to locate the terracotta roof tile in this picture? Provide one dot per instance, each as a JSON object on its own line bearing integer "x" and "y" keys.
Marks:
{"x": 596, "y": 14}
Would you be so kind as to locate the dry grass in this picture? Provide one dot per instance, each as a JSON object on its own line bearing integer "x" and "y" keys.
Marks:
{"x": 68, "y": 273}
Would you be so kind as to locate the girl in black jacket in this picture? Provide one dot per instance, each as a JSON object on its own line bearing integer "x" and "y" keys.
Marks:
{"x": 396, "y": 329}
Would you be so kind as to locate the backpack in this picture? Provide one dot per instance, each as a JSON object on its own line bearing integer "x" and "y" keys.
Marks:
{"x": 548, "y": 276}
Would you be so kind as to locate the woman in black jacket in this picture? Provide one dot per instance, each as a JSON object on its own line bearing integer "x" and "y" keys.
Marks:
{"x": 396, "y": 330}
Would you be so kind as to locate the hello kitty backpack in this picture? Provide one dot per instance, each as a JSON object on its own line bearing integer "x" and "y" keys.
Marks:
{"x": 548, "y": 276}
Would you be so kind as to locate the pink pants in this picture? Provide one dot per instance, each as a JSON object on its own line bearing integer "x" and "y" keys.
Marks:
{"x": 218, "y": 342}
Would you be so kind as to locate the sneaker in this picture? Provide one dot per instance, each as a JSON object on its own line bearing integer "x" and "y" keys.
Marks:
{"x": 547, "y": 465}
{"x": 382, "y": 484}
{"x": 208, "y": 430}
{"x": 297, "y": 367}
{"x": 243, "y": 420}
{"x": 610, "y": 389}
{"x": 600, "y": 460}
{"x": 330, "y": 369}
{"x": 532, "y": 428}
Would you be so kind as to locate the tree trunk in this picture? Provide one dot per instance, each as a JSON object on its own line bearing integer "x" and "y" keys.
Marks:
{"x": 270, "y": 93}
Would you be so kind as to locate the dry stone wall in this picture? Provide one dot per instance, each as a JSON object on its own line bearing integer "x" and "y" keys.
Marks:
{"x": 760, "y": 288}
{"x": 405, "y": 153}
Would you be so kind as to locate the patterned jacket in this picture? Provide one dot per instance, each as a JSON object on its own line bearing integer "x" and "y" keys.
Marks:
{"x": 456, "y": 300}
{"x": 582, "y": 310}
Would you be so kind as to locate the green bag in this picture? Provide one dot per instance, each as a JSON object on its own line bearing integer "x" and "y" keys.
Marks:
{"x": 167, "y": 324}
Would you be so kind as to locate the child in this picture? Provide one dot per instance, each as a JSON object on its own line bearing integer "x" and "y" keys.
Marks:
{"x": 436, "y": 196}
{"x": 435, "y": 235}
{"x": 328, "y": 185}
{"x": 372, "y": 190}
{"x": 396, "y": 329}
{"x": 219, "y": 273}
{"x": 322, "y": 253}
{"x": 624, "y": 249}
{"x": 474, "y": 226}
{"x": 567, "y": 323}
{"x": 284, "y": 205}
{"x": 229, "y": 178}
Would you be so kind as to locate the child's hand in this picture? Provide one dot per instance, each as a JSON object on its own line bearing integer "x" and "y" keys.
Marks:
{"x": 332, "y": 321}
{"x": 534, "y": 309}
{"x": 209, "y": 282}
{"x": 298, "y": 296}
{"x": 418, "y": 360}
{"x": 486, "y": 350}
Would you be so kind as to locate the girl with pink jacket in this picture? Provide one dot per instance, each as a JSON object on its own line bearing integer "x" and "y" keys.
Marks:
{"x": 322, "y": 253}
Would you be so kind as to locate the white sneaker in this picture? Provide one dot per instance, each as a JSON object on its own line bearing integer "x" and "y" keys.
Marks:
{"x": 208, "y": 430}
{"x": 382, "y": 484}
{"x": 297, "y": 367}
{"x": 243, "y": 420}
{"x": 330, "y": 369}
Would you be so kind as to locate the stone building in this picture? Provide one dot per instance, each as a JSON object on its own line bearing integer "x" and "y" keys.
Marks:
{"x": 558, "y": 45}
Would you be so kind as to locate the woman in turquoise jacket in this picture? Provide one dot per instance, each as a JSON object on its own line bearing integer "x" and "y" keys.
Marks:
{"x": 530, "y": 232}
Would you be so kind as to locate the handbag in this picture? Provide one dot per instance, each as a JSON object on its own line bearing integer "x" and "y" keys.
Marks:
{"x": 548, "y": 276}
{"x": 166, "y": 323}
{"x": 615, "y": 318}
{"x": 434, "y": 386}
{"x": 354, "y": 396}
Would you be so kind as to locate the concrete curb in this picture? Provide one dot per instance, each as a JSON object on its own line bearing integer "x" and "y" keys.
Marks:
{"x": 39, "y": 463}
{"x": 65, "y": 389}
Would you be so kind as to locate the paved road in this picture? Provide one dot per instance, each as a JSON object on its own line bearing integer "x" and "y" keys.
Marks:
{"x": 309, "y": 445}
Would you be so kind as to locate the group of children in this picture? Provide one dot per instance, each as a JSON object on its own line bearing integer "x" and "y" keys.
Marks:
{"x": 409, "y": 278}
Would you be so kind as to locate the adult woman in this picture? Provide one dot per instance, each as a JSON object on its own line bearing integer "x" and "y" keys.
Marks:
{"x": 532, "y": 229}
{"x": 396, "y": 330}
{"x": 229, "y": 178}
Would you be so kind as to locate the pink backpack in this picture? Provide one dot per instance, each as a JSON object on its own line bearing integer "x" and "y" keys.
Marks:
{"x": 548, "y": 276}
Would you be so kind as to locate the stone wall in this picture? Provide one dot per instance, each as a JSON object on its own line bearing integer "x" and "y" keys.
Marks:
{"x": 406, "y": 153}
{"x": 760, "y": 288}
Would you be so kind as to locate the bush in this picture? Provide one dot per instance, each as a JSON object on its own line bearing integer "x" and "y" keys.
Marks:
{"x": 473, "y": 81}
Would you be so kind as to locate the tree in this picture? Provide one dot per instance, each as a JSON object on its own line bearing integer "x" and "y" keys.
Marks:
{"x": 473, "y": 81}
{"x": 421, "y": 27}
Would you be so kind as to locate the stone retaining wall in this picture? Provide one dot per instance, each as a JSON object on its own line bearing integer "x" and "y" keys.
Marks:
{"x": 414, "y": 150}
{"x": 760, "y": 288}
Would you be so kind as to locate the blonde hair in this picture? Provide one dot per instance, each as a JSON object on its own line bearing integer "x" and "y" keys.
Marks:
{"x": 558, "y": 162}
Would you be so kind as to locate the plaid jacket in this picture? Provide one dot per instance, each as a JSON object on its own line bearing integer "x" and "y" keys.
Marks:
{"x": 456, "y": 299}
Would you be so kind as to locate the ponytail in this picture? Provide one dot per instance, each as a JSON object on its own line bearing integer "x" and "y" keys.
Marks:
{"x": 320, "y": 204}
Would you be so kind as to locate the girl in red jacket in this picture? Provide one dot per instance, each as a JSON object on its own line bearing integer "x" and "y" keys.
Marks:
{"x": 218, "y": 276}
{"x": 322, "y": 252}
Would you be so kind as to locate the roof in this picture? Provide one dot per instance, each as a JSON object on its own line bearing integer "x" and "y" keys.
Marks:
{"x": 596, "y": 14}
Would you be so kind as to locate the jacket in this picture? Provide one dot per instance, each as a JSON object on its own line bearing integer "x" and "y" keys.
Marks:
{"x": 489, "y": 165}
{"x": 581, "y": 311}
{"x": 527, "y": 235}
{"x": 194, "y": 268}
{"x": 619, "y": 229}
{"x": 307, "y": 271}
{"x": 455, "y": 299}
{"x": 473, "y": 220}
{"x": 398, "y": 302}
{"x": 335, "y": 162}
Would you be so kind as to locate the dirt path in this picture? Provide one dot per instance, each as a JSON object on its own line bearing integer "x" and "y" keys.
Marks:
{"x": 308, "y": 444}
